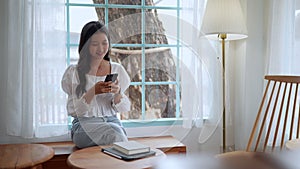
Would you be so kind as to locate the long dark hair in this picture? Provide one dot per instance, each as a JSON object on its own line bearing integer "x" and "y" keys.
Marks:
{"x": 83, "y": 66}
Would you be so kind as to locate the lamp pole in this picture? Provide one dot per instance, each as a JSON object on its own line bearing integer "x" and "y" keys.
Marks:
{"x": 223, "y": 20}
{"x": 223, "y": 36}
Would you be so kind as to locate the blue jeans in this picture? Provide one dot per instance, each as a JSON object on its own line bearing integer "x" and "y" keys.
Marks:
{"x": 92, "y": 131}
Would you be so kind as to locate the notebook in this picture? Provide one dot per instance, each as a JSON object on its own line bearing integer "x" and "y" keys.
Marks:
{"x": 117, "y": 154}
{"x": 131, "y": 147}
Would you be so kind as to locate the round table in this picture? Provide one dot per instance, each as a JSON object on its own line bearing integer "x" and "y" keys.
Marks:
{"x": 24, "y": 155}
{"x": 293, "y": 144}
{"x": 92, "y": 157}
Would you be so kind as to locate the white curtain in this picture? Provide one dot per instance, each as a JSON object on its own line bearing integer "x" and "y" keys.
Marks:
{"x": 283, "y": 40}
{"x": 200, "y": 73}
{"x": 35, "y": 62}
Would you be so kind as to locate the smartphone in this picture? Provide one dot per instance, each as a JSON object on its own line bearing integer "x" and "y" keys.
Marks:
{"x": 111, "y": 77}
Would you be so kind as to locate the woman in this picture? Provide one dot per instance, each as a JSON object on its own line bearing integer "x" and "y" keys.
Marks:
{"x": 92, "y": 102}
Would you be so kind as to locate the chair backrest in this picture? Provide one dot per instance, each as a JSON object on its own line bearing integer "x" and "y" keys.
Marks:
{"x": 278, "y": 116}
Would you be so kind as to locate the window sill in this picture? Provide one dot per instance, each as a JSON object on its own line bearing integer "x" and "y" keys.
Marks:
{"x": 150, "y": 123}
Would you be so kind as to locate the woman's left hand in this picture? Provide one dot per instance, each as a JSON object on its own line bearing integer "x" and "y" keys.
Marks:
{"x": 114, "y": 87}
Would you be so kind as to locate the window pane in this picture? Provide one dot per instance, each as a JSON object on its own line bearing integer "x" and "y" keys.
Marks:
{"x": 134, "y": 94}
{"x": 162, "y": 3}
{"x": 165, "y": 3}
{"x": 125, "y": 26}
{"x": 74, "y": 37}
{"x": 160, "y": 101}
{"x": 160, "y": 65}
{"x": 79, "y": 16}
{"x": 74, "y": 56}
{"x": 154, "y": 29}
{"x": 169, "y": 22}
{"x": 81, "y": 1}
{"x": 131, "y": 62}
{"x": 135, "y": 2}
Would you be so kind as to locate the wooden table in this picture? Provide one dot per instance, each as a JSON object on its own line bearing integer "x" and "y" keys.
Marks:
{"x": 24, "y": 155}
{"x": 92, "y": 157}
{"x": 228, "y": 160}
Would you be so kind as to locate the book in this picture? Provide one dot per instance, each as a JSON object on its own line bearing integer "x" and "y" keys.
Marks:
{"x": 130, "y": 147}
{"x": 117, "y": 154}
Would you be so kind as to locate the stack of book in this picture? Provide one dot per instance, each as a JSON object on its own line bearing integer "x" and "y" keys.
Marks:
{"x": 128, "y": 150}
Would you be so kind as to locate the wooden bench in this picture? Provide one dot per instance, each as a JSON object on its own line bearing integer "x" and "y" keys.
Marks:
{"x": 167, "y": 144}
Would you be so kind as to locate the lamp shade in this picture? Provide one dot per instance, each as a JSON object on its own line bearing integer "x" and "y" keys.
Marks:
{"x": 224, "y": 17}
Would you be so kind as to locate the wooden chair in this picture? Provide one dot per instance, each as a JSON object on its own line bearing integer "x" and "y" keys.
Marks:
{"x": 277, "y": 121}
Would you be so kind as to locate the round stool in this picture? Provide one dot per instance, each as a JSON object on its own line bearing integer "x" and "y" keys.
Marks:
{"x": 24, "y": 155}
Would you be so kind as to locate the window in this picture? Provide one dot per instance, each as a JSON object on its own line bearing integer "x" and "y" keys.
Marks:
{"x": 39, "y": 107}
{"x": 148, "y": 49}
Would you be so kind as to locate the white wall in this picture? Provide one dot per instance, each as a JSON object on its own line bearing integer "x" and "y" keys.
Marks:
{"x": 249, "y": 73}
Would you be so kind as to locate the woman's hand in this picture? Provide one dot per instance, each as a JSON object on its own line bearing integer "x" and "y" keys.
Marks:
{"x": 107, "y": 87}
{"x": 115, "y": 88}
{"x": 101, "y": 87}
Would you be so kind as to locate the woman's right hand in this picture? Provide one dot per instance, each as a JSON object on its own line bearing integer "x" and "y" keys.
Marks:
{"x": 102, "y": 87}
{"x": 99, "y": 88}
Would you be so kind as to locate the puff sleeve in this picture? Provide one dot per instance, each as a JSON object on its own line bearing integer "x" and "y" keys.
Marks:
{"x": 75, "y": 106}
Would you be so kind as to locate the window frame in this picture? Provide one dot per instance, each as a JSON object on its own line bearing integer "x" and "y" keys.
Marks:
{"x": 138, "y": 123}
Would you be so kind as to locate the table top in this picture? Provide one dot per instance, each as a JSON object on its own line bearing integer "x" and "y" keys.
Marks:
{"x": 293, "y": 144}
{"x": 24, "y": 155}
{"x": 92, "y": 157}
{"x": 232, "y": 160}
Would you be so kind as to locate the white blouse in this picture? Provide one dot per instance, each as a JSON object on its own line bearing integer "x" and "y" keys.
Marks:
{"x": 102, "y": 104}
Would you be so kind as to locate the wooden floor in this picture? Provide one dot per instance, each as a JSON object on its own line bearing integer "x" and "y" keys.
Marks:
{"x": 167, "y": 144}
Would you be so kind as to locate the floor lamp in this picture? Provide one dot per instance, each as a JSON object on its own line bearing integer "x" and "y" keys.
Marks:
{"x": 224, "y": 20}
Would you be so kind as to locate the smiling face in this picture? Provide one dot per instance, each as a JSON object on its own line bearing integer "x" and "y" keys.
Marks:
{"x": 98, "y": 46}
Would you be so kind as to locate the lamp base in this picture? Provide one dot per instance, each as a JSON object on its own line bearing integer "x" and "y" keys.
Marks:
{"x": 228, "y": 148}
